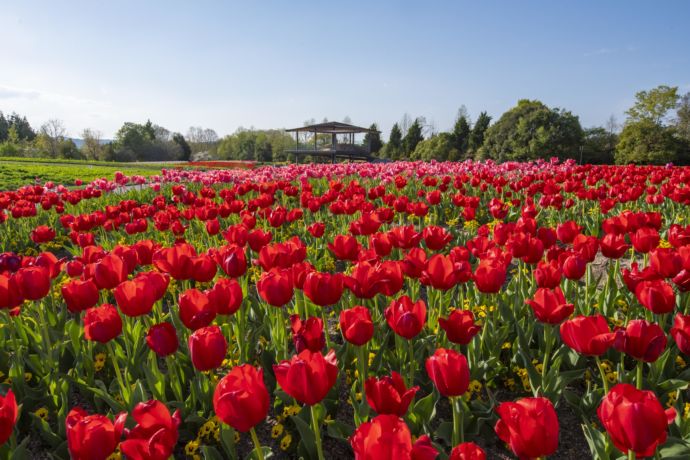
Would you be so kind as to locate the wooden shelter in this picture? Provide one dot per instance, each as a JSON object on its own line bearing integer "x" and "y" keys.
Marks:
{"x": 332, "y": 140}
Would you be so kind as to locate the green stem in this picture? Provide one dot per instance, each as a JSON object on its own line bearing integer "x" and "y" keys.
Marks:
{"x": 458, "y": 435}
{"x": 317, "y": 434}
{"x": 362, "y": 362}
{"x": 604, "y": 381}
{"x": 257, "y": 445}
{"x": 631, "y": 454}
{"x": 547, "y": 355}
{"x": 410, "y": 351}
{"x": 118, "y": 374}
{"x": 638, "y": 379}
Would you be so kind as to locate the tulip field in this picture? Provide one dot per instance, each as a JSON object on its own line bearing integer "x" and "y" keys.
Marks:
{"x": 406, "y": 310}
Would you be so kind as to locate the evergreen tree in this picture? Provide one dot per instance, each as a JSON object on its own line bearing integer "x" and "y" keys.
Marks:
{"x": 460, "y": 135}
{"x": 394, "y": 146}
{"x": 413, "y": 137}
{"x": 477, "y": 135}
{"x": 373, "y": 139}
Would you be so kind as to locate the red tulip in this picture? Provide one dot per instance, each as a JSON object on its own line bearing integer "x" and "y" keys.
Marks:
{"x": 110, "y": 271}
{"x": 459, "y": 326}
{"x": 241, "y": 399}
{"x": 645, "y": 239}
{"x": 226, "y": 296}
{"x": 207, "y": 348}
{"x": 406, "y": 318}
{"x": 642, "y": 340}
{"x": 8, "y": 416}
{"x": 548, "y": 274}
{"x": 204, "y": 268}
{"x": 368, "y": 279}
{"x": 323, "y": 288}
{"x": 414, "y": 262}
{"x": 449, "y": 371}
{"x": 162, "y": 339}
{"x": 10, "y": 296}
{"x": 529, "y": 426}
{"x": 345, "y": 247}
{"x": 549, "y": 305}
{"x": 232, "y": 259}
{"x": 588, "y": 335}
{"x": 389, "y": 395}
{"x": 656, "y": 296}
{"x": 387, "y": 437}
{"x": 196, "y": 309}
{"x": 442, "y": 273}
{"x": 317, "y": 229}
{"x": 155, "y": 435}
{"x": 80, "y": 295}
{"x": 567, "y": 231}
{"x": 42, "y": 234}
{"x": 490, "y": 276}
{"x": 92, "y": 437}
{"x": 467, "y": 451}
{"x": 435, "y": 237}
{"x": 681, "y": 332}
{"x": 405, "y": 237}
{"x": 614, "y": 246}
{"x": 574, "y": 265}
{"x": 135, "y": 297}
{"x": 666, "y": 262}
{"x": 257, "y": 239}
{"x": 307, "y": 376}
{"x": 275, "y": 286}
{"x": 177, "y": 260}
{"x": 102, "y": 324}
{"x": 33, "y": 282}
{"x": 635, "y": 419}
{"x": 307, "y": 334}
{"x": 356, "y": 325}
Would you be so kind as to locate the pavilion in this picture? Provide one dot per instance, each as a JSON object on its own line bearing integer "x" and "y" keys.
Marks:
{"x": 314, "y": 140}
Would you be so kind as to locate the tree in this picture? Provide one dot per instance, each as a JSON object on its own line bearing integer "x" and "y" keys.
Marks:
{"x": 4, "y": 127}
{"x": 394, "y": 145}
{"x": 201, "y": 139}
{"x": 54, "y": 132}
{"x": 24, "y": 129}
{"x": 460, "y": 135}
{"x": 440, "y": 147}
{"x": 598, "y": 146}
{"x": 646, "y": 142}
{"x": 531, "y": 130}
{"x": 413, "y": 137}
{"x": 186, "y": 149}
{"x": 147, "y": 142}
{"x": 373, "y": 139}
{"x": 683, "y": 117}
{"x": 478, "y": 130}
{"x": 92, "y": 144}
{"x": 653, "y": 105}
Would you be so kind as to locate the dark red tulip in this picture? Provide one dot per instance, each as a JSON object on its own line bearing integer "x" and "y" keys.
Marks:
{"x": 414, "y": 262}
{"x": 102, "y": 324}
{"x": 8, "y": 416}
{"x": 529, "y": 426}
{"x": 588, "y": 335}
{"x": 42, "y": 234}
{"x": 467, "y": 451}
{"x": 645, "y": 239}
{"x": 641, "y": 340}
{"x": 196, "y": 309}
{"x": 275, "y": 286}
{"x": 92, "y": 437}
{"x": 162, "y": 339}
{"x": 389, "y": 395}
{"x": 10, "y": 296}
{"x": 635, "y": 419}
{"x": 155, "y": 435}
{"x": 323, "y": 288}
{"x": 567, "y": 231}
{"x": 656, "y": 296}
{"x": 614, "y": 246}
{"x": 356, "y": 325}
{"x": 307, "y": 376}
{"x": 681, "y": 332}
{"x": 232, "y": 259}
{"x": 258, "y": 238}
{"x": 549, "y": 305}
{"x": 387, "y": 437}
{"x": 459, "y": 326}
{"x": 449, "y": 371}
{"x": 80, "y": 295}
{"x": 345, "y": 247}
{"x": 241, "y": 399}
{"x": 204, "y": 268}
{"x": 548, "y": 274}
{"x": 317, "y": 229}
{"x": 574, "y": 265}
{"x": 405, "y": 317}
{"x": 307, "y": 334}
{"x": 207, "y": 348}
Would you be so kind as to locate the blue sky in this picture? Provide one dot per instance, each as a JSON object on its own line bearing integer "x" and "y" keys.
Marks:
{"x": 274, "y": 64}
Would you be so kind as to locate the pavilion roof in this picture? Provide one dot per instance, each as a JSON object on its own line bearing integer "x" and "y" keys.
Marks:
{"x": 332, "y": 127}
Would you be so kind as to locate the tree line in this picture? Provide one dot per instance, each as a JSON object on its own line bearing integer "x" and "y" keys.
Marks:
{"x": 656, "y": 131}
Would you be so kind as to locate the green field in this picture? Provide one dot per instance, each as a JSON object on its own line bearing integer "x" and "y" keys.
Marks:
{"x": 15, "y": 173}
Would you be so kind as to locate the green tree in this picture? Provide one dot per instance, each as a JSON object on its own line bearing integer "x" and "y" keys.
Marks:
{"x": 683, "y": 117}
{"x": 440, "y": 147}
{"x": 393, "y": 148}
{"x": 460, "y": 136}
{"x": 478, "y": 130}
{"x": 653, "y": 105}
{"x": 24, "y": 129}
{"x": 413, "y": 137}
{"x": 532, "y": 130}
{"x": 4, "y": 127}
{"x": 184, "y": 146}
{"x": 373, "y": 139}
{"x": 646, "y": 142}
{"x": 599, "y": 146}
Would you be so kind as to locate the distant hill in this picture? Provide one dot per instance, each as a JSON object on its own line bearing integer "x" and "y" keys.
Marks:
{"x": 79, "y": 142}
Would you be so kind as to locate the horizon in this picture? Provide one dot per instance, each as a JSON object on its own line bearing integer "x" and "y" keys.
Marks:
{"x": 265, "y": 66}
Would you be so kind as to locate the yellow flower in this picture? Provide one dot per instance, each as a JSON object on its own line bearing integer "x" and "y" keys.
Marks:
{"x": 612, "y": 377}
{"x": 686, "y": 411}
{"x": 285, "y": 442}
{"x": 192, "y": 447}
{"x": 506, "y": 346}
{"x": 475, "y": 386}
{"x": 680, "y": 362}
{"x": 114, "y": 456}
{"x": 42, "y": 413}
{"x": 276, "y": 431}
{"x": 27, "y": 376}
